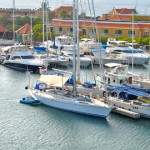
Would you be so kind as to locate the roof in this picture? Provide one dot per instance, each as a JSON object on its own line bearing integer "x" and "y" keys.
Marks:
{"x": 130, "y": 91}
{"x": 102, "y": 24}
{"x": 120, "y": 17}
{"x": 26, "y": 29}
{"x": 3, "y": 29}
{"x": 113, "y": 65}
{"x": 125, "y": 11}
{"x": 67, "y": 8}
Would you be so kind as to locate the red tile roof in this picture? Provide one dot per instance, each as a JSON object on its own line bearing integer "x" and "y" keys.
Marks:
{"x": 126, "y": 11}
{"x": 24, "y": 29}
{"x": 102, "y": 24}
{"x": 121, "y": 18}
{"x": 3, "y": 29}
{"x": 67, "y": 8}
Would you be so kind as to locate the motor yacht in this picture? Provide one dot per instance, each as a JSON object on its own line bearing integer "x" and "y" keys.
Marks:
{"x": 120, "y": 49}
{"x": 22, "y": 60}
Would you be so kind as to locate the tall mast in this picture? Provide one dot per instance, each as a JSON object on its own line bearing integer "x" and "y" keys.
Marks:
{"x": 14, "y": 20}
{"x": 74, "y": 43}
{"x": 43, "y": 17}
{"x": 78, "y": 50}
{"x": 46, "y": 20}
{"x": 31, "y": 29}
{"x": 98, "y": 46}
{"x": 132, "y": 38}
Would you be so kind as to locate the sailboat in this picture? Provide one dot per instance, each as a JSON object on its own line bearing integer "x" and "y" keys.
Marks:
{"x": 51, "y": 90}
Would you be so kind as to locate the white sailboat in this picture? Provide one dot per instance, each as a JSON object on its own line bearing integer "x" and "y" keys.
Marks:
{"x": 51, "y": 91}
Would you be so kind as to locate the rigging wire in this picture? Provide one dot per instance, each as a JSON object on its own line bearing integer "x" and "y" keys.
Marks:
{"x": 136, "y": 4}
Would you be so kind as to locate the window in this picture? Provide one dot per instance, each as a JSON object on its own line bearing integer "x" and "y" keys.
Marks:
{"x": 16, "y": 57}
{"x": 59, "y": 30}
{"x": 130, "y": 33}
{"x": 105, "y": 32}
{"x": 146, "y": 34}
{"x": 27, "y": 57}
{"x": 51, "y": 29}
{"x": 84, "y": 31}
{"x": 118, "y": 32}
{"x": 70, "y": 31}
{"x": 93, "y": 32}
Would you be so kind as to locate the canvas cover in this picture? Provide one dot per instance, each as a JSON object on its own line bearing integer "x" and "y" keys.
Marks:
{"x": 53, "y": 80}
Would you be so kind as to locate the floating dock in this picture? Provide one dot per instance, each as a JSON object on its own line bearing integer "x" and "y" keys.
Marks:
{"x": 126, "y": 113}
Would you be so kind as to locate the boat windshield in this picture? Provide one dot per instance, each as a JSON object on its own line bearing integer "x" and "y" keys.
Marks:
{"x": 128, "y": 51}
{"x": 27, "y": 57}
{"x": 134, "y": 51}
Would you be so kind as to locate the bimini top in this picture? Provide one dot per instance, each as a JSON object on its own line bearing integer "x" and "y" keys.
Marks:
{"x": 53, "y": 80}
{"x": 128, "y": 90}
{"x": 111, "y": 65}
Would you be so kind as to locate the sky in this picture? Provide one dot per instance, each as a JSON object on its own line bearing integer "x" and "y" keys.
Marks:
{"x": 101, "y": 6}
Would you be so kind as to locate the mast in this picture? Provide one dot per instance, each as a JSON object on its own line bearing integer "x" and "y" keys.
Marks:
{"x": 46, "y": 20}
{"x": 132, "y": 38}
{"x": 43, "y": 18}
{"x": 98, "y": 46}
{"x": 31, "y": 30}
{"x": 78, "y": 50}
{"x": 74, "y": 43}
{"x": 14, "y": 20}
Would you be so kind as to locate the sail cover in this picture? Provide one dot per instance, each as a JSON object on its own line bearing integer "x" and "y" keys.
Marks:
{"x": 53, "y": 80}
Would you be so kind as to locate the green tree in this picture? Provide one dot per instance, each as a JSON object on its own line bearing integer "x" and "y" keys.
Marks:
{"x": 38, "y": 32}
{"x": 65, "y": 14}
{"x": 82, "y": 15}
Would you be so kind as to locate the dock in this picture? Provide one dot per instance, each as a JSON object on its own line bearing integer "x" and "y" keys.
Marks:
{"x": 126, "y": 113}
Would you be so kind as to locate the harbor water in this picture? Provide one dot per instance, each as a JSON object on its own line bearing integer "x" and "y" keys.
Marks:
{"x": 24, "y": 127}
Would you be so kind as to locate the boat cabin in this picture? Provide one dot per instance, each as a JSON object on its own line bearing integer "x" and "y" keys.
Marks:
{"x": 115, "y": 74}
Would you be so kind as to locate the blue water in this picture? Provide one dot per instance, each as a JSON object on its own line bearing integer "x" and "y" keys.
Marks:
{"x": 24, "y": 127}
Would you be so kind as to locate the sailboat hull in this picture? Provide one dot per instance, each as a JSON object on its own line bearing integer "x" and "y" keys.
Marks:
{"x": 70, "y": 104}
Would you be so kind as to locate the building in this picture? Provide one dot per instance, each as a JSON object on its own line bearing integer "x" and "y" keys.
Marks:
{"x": 8, "y": 12}
{"x": 105, "y": 28}
{"x": 123, "y": 14}
{"x": 24, "y": 34}
{"x": 3, "y": 31}
{"x": 63, "y": 12}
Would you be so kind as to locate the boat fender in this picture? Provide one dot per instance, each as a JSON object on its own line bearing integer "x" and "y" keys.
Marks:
{"x": 26, "y": 87}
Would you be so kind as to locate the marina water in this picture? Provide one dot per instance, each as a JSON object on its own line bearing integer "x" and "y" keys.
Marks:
{"x": 24, "y": 127}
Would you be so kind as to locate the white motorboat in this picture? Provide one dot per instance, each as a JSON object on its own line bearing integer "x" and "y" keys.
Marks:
{"x": 61, "y": 42}
{"x": 121, "y": 49}
{"x": 22, "y": 60}
{"x": 51, "y": 59}
{"x": 115, "y": 74}
{"x": 16, "y": 47}
{"x": 126, "y": 99}
{"x": 88, "y": 43}
{"x": 84, "y": 61}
